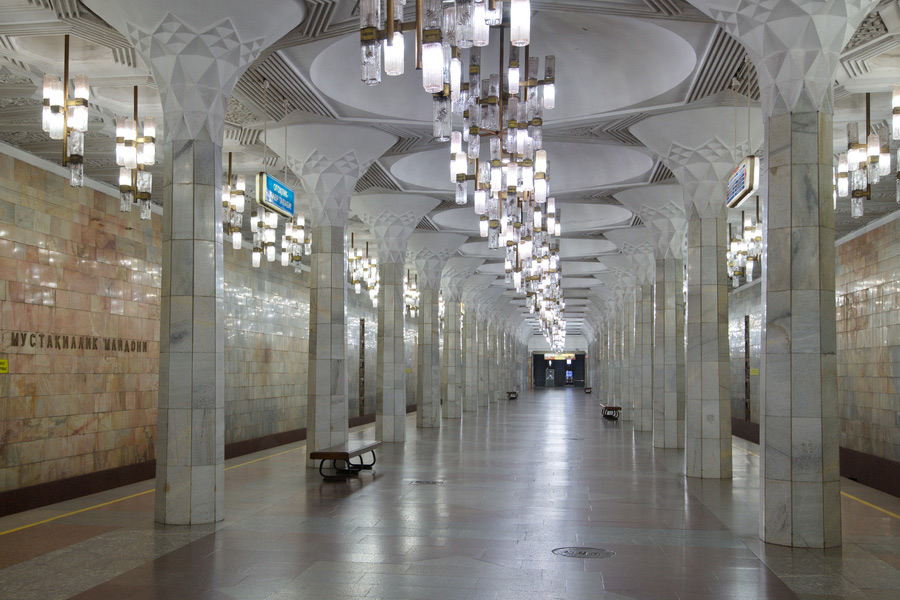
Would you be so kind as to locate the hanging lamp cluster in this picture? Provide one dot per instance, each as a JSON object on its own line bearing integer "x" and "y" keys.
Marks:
{"x": 66, "y": 119}
{"x": 744, "y": 250}
{"x": 133, "y": 155}
{"x": 411, "y": 295}
{"x": 362, "y": 271}
{"x": 866, "y": 162}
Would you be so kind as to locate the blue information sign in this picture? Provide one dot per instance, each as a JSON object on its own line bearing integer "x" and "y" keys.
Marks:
{"x": 274, "y": 195}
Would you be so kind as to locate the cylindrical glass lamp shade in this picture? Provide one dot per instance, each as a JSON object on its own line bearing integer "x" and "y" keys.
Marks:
{"x": 483, "y": 224}
{"x": 494, "y": 17}
{"x": 144, "y": 181}
{"x": 441, "y": 117}
{"x": 480, "y": 202}
{"x": 461, "y": 192}
{"x": 432, "y": 67}
{"x": 455, "y": 80}
{"x": 236, "y": 239}
{"x": 464, "y": 24}
{"x": 480, "y": 30}
{"x": 393, "y": 56}
{"x": 520, "y": 22}
{"x": 371, "y": 62}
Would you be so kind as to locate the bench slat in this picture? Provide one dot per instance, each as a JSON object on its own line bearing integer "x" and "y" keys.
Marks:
{"x": 344, "y": 451}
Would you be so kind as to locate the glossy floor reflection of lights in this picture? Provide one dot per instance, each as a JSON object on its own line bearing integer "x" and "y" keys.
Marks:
{"x": 520, "y": 479}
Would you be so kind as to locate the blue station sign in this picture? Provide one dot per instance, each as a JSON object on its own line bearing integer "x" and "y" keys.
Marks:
{"x": 274, "y": 195}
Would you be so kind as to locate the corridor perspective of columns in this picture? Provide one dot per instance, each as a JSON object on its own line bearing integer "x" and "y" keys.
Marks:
{"x": 455, "y": 273}
{"x": 661, "y": 209}
{"x": 391, "y": 218}
{"x": 702, "y": 147}
{"x": 430, "y": 252}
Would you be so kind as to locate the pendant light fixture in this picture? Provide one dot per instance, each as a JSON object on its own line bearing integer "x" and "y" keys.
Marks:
{"x": 133, "y": 155}
{"x": 66, "y": 119}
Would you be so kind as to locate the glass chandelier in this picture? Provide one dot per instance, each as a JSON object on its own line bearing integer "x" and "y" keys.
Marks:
{"x": 362, "y": 271}
{"x": 66, "y": 119}
{"x": 865, "y": 162}
{"x": 744, "y": 250}
{"x": 411, "y": 296}
{"x": 133, "y": 155}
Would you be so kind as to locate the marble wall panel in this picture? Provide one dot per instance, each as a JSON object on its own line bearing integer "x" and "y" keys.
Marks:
{"x": 745, "y": 301}
{"x": 266, "y": 347}
{"x": 360, "y": 307}
{"x": 868, "y": 341}
{"x": 79, "y": 312}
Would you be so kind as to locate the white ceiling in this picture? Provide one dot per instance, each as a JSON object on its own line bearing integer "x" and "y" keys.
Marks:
{"x": 618, "y": 63}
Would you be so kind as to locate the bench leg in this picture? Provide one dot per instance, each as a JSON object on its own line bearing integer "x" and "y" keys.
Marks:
{"x": 364, "y": 465}
{"x": 340, "y": 474}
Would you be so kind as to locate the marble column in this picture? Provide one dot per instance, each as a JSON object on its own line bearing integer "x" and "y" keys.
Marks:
{"x": 800, "y": 427}
{"x": 195, "y": 72}
{"x": 430, "y": 252}
{"x": 455, "y": 273}
{"x": 661, "y": 207}
{"x": 328, "y": 158}
{"x": 668, "y": 353}
{"x": 391, "y": 218}
{"x": 481, "y": 328}
{"x": 700, "y": 147}
{"x": 470, "y": 361}
{"x": 493, "y": 360}
{"x": 639, "y": 262}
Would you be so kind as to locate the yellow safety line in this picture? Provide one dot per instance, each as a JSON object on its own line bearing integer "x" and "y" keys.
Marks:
{"x": 74, "y": 512}
{"x": 81, "y": 510}
{"x": 870, "y": 505}
{"x": 845, "y": 494}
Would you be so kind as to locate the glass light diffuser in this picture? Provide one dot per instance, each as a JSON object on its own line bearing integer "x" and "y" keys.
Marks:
{"x": 480, "y": 29}
{"x": 393, "y": 56}
{"x": 432, "y": 67}
{"x": 520, "y": 22}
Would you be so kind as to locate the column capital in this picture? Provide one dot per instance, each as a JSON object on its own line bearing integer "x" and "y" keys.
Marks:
{"x": 635, "y": 243}
{"x": 661, "y": 208}
{"x": 329, "y": 158}
{"x": 196, "y": 52}
{"x": 794, "y": 45}
{"x": 430, "y": 252}
{"x": 392, "y": 218}
{"x": 454, "y": 276}
{"x": 702, "y": 146}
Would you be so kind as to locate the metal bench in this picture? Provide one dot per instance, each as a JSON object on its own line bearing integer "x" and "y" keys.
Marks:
{"x": 588, "y": 390}
{"x": 512, "y": 395}
{"x": 610, "y": 412}
{"x": 343, "y": 453}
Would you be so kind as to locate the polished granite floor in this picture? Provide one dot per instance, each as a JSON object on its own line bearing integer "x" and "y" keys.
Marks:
{"x": 469, "y": 511}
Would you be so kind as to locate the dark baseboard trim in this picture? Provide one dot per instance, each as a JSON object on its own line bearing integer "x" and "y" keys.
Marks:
{"x": 264, "y": 443}
{"x": 746, "y": 430}
{"x": 880, "y": 473}
{"x": 410, "y": 408}
{"x": 362, "y": 420}
{"x": 51, "y": 492}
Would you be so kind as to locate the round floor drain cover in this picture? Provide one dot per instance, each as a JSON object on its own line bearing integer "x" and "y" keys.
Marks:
{"x": 576, "y": 552}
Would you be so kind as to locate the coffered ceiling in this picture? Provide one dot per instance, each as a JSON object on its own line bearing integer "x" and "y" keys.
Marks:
{"x": 618, "y": 61}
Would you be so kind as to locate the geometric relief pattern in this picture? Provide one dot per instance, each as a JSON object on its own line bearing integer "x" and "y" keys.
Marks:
{"x": 794, "y": 44}
{"x": 703, "y": 172}
{"x": 195, "y": 71}
{"x": 392, "y": 232}
{"x": 329, "y": 183}
{"x": 667, "y": 225}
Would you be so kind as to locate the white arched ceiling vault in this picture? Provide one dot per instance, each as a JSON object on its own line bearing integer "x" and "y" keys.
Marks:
{"x": 618, "y": 63}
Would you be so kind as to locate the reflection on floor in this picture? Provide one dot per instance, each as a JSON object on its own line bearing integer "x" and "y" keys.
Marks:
{"x": 519, "y": 480}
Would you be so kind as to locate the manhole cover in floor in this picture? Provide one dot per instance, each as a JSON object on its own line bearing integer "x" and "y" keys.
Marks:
{"x": 426, "y": 482}
{"x": 576, "y": 552}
